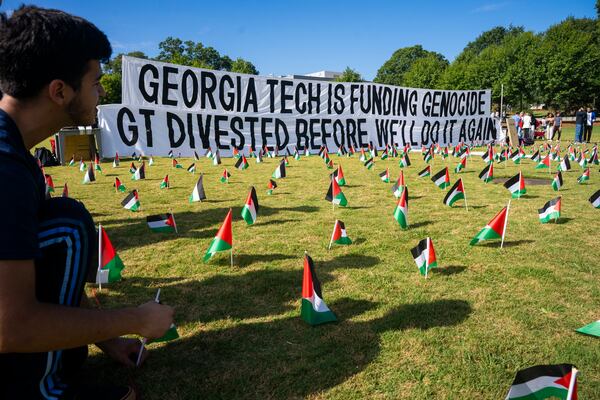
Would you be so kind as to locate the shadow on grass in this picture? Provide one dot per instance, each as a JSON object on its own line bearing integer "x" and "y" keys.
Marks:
{"x": 279, "y": 359}
{"x": 449, "y": 270}
{"x": 244, "y": 260}
{"x": 347, "y": 261}
{"x": 507, "y": 243}
{"x": 476, "y": 207}
{"x": 359, "y": 240}
{"x": 563, "y": 220}
{"x": 420, "y": 224}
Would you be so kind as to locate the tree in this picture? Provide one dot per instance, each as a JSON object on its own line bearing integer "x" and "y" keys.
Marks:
{"x": 425, "y": 72}
{"x": 393, "y": 70}
{"x": 349, "y": 75}
{"x": 111, "y": 79}
{"x": 243, "y": 67}
{"x": 494, "y": 36}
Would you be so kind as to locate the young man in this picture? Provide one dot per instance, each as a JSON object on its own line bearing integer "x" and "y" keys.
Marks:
{"x": 589, "y": 125}
{"x": 580, "y": 121}
{"x": 557, "y": 128}
{"x": 49, "y": 78}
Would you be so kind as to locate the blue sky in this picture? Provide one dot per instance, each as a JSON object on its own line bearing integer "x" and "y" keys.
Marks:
{"x": 284, "y": 37}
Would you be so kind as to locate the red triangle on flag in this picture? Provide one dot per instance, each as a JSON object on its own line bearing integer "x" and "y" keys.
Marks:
{"x": 224, "y": 232}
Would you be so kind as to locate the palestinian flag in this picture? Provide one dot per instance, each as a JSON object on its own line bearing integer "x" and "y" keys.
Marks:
{"x": 72, "y": 162}
{"x": 140, "y": 173}
{"x": 223, "y": 241}
{"x": 259, "y": 157}
{"x": 162, "y": 223}
{"x": 217, "y": 158}
{"x": 351, "y": 151}
{"x": 175, "y": 164}
{"x": 272, "y": 185}
{"x": 341, "y": 151}
{"x": 296, "y": 155}
{"x": 322, "y": 153}
{"x": 209, "y": 153}
{"x": 335, "y": 194}
{"x": 49, "y": 183}
{"x": 306, "y": 152}
{"x": 565, "y": 164}
{"x": 369, "y": 163}
{"x": 109, "y": 264}
{"x": 543, "y": 382}
{"x": 455, "y": 193}
{"x": 329, "y": 164}
{"x": 339, "y": 235}
{"x": 461, "y": 165}
{"x": 116, "y": 161}
{"x": 557, "y": 182}
{"x": 404, "y": 161}
{"x": 516, "y": 185}
{"x": 488, "y": 156}
{"x": 428, "y": 156}
{"x": 550, "y": 211}
{"x": 89, "y": 175}
{"x": 385, "y": 176}
{"x": 165, "y": 183}
{"x": 595, "y": 199}
{"x": 582, "y": 161}
{"x": 401, "y": 210}
{"x": 251, "y": 207}
{"x": 82, "y": 165}
{"x": 594, "y": 157}
{"x": 132, "y": 168}
{"x": 132, "y": 201}
{"x": 442, "y": 178}
{"x": 198, "y": 192}
{"x": 516, "y": 157}
{"x": 545, "y": 163}
{"x": 487, "y": 174}
{"x": 192, "y": 168}
{"x": 314, "y": 311}
{"x": 97, "y": 163}
{"x": 151, "y": 161}
{"x": 339, "y": 176}
{"x": 495, "y": 229}
{"x": 363, "y": 156}
{"x": 592, "y": 329}
{"x": 196, "y": 156}
{"x": 279, "y": 171}
{"x": 536, "y": 156}
{"x": 585, "y": 176}
{"x": 236, "y": 152}
{"x": 424, "y": 256}
{"x": 225, "y": 177}
{"x": 399, "y": 186}
{"x": 133, "y": 155}
{"x": 384, "y": 154}
{"x": 119, "y": 187}
{"x": 426, "y": 172}
{"x": 242, "y": 163}
{"x": 170, "y": 155}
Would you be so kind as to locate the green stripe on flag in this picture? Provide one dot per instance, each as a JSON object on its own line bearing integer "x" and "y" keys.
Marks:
{"x": 312, "y": 317}
{"x": 114, "y": 267}
{"x": 486, "y": 233}
{"x": 216, "y": 245}
{"x": 545, "y": 393}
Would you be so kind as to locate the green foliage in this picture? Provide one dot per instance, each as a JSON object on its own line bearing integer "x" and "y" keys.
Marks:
{"x": 494, "y": 36}
{"x": 349, "y": 75}
{"x": 393, "y": 70}
{"x": 111, "y": 80}
{"x": 243, "y": 67}
{"x": 425, "y": 72}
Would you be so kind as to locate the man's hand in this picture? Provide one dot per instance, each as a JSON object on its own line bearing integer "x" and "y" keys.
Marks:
{"x": 123, "y": 350}
{"x": 156, "y": 319}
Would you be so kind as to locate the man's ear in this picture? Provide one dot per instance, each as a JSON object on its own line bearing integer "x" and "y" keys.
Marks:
{"x": 60, "y": 92}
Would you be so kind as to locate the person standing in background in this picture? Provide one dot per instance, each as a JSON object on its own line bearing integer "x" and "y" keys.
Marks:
{"x": 589, "y": 125}
{"x": 557, "y": 126}
{"x": 580, "y": 121}
{"x": 549, "y": 123}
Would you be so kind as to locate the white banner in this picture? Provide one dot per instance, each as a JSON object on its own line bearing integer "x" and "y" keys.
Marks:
{"x": 171, "y": 107}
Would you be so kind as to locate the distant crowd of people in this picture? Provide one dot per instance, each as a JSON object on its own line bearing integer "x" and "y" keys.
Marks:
{"x": 529, "y": 127}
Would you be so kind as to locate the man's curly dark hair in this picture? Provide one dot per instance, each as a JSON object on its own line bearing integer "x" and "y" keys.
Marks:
{"x": 38, "y": 45}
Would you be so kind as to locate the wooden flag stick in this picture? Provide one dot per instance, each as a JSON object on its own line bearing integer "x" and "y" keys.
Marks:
{"x": 332, "y": 233}
{"x": 505, "y": 224}
{"x": 144, "y": 340}
{"x": 99, "y": 257}
{"x": 174, "y": 223}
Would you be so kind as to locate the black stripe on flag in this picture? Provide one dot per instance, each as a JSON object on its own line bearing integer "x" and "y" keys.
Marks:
{"x": 512, "y": 181}
{"x": 334, "y": 174}
{"x": 282, "y": 168}
{"x": 406, "y": 159}
{"x": 560, "y": 180}
{"x": 273, "y": 183}
{"x": 329, "y": 195}
{"x": 528, "y": 374}
{"x": 483, "y": 174}
{"x": 438, "y": 175}
{"x": 595, "y": 197}
{"x": 549, "y": 204}
{"x": 423, "y": 172}
{"x": 200, "y": 187}
{"x": 419, "y": 249}
{"x": 129, "y": 197}
{"x": 451, "y": 191}
{"x": 313, "y": 274}
{"x": 383, "y": 174}
{"x": 239, "y": 162}
{"x": 158, "y": 217}
{"x": 254, "y": 198}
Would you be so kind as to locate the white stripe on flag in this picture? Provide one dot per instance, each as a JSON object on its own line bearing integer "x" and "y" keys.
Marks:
{"x": 533, "y": 386}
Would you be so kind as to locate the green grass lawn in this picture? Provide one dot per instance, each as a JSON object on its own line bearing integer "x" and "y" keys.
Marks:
{"x": 460, "y": 334}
